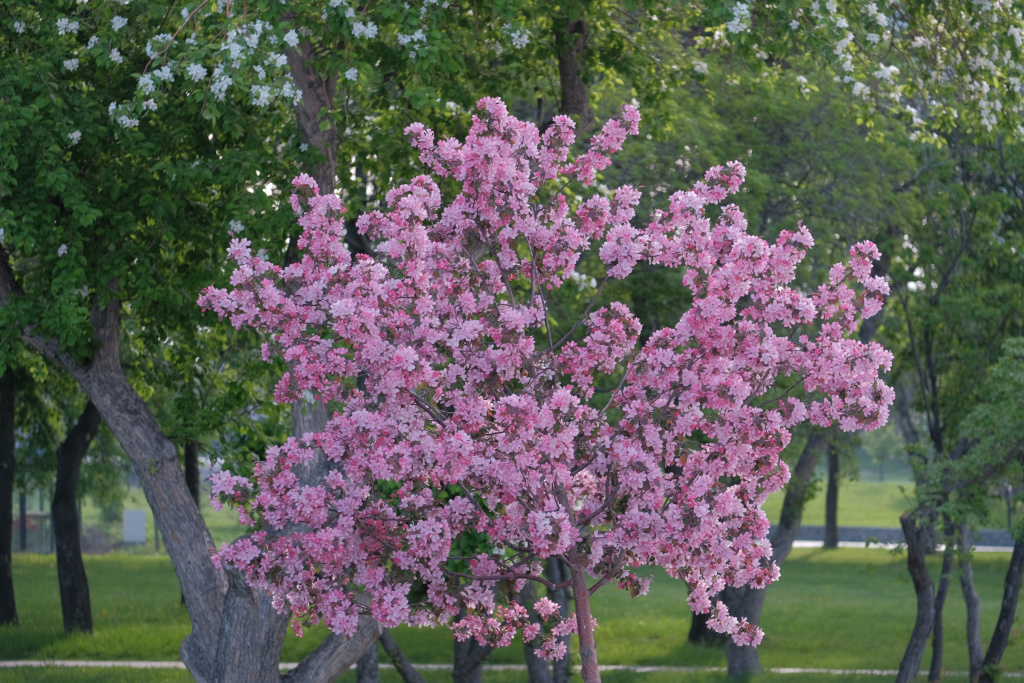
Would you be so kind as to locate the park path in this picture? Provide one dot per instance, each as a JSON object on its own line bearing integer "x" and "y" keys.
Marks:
{"x": 985, "y": 540}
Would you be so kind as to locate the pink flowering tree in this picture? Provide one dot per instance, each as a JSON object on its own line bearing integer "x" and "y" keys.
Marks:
{"x": 464, "y": 409}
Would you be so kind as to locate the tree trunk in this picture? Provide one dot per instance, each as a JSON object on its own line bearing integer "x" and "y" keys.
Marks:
{"x": 67, "y": 527}
{"x": 584, "y": 621}
{"x": 8, "y": 607}
{"x": 571, "y": 42}
{"x": 700, "y": 633}
{"x": 748, "y": 602}
{"x": 1004, "y": 624}
{"x": 539, "y": 669}
{"x": 935, "y": 670}
{"x": 917, "y": 544}
{"x": 832, "y": 498}
{"x": 468, "y": 659}
{"x": 406, "y": 670}
{"x": 192, "y": 469}
{"x": 559, "y": 573}
{"x": 973, "y": 604}
{"x": 368, "y": 667}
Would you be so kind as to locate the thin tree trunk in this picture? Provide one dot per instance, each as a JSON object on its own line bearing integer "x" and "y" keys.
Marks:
{"x": 368, "y": 667}
{"x": 935, "y": 670}
{"x": 406, "y": 670}
{"x": 22, "y": 521}
{"x": 468, "y": 659}
{"x": 917, "y": 542}
{"x": 700, "y": 633}
{"x": 539, "y": 669}
{"x": 832, "y": 498}
{"x": 571, "y": 42}
{"x": 584, "y": 621}
{"x": 1004, "y": 624}
{"x": 74, "y": 585}
{"x": 747, "y": 602}
{"x": 8, "y": 607}
{"x": 558, "y": 573}
{"x": 972, "y": 603}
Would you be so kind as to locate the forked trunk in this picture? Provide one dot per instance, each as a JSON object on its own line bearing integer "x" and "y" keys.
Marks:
{"x": 917, "y": 543}
{"x": 584, "y": 621}
{"x": 67, "y": 527}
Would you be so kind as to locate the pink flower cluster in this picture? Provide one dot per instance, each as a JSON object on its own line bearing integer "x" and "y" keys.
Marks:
{"x": 461, "y": 413}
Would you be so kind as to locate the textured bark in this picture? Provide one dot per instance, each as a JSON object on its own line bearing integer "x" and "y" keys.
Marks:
{"x": 973, "y": 605}
{"x": 8, "y": 607}
{"x": 67, "y": 527}
{"x": 192, "y": 469}
{"x": 1004, "y": 623}
{"x": 22, "y": 521}
{"x": 317, "y": 96}
{"x": 558, "y": 573}
{"x": 571, "y": 41}
{"x": 584, "y": 621}
{"x": 335, "y": 655}
{"x": 748, "y": 602}
{"x": 406, "y": 670}
{"x": 935, "y": 670}
{"x": 539, "y": 669}
{"x": 832, "y": 499}
{"x": 917, "y": 545}
{"x": 368, "y": 667}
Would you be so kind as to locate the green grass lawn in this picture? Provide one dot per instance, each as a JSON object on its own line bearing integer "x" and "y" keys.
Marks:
{"x": 847, "y": 608}
{"x": 861, "y": 503}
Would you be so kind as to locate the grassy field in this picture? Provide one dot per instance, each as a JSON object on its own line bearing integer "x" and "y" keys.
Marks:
{"x": 847, "y": 608}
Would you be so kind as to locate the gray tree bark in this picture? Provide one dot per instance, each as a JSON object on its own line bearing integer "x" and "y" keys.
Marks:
{"x": 571, "y": 42}
{"x": 405, "y": 669}
{"x": 368, "y": 667}
{"x": 917, "y": 545}
{"x": 972, "y": 603}
{"x": 8, "y": 606}
{"x": 832, "y": 499}
{"x": 935, "y": 670}
{"x": 558, "y": 573}
{"x": 539, "y": 669}
{"x": 75, "y": 604}
{"x": 1007, "y": 610}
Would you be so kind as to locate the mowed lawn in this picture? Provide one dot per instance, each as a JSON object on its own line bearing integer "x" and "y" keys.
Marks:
{"x": 846, "y": 608}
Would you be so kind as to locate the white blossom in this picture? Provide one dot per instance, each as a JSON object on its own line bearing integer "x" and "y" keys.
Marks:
{"x": 62, "y": 249}
{"x": 367, "y": 30}
{"x": 115, "y": 56}
{"x": 127, "y": 122}
{"x": 873, "y": 37}
{"x": 19, "y": 27}
{"x": 83, "y": 292}
{"x": 118, "y": 22}
{"x": 236, "y": 226}
{"x": 700, "y": 67}
{"x": 352, "y": 74}
{"x": 292, "y": 38}
{"x": 196, "y": 72}
{"x": 164, "y": 73}
{"x": 278, "y": 60}
{"x": 65, "y": 25}
{"x": 740, "y": 18}
{"x": 184, "y": 13}
{"x": 260, "y": 71}
{"x": 303, "y": 147}
{"x": 260, "y": 95}
{"x": 150, "y": 104}
{"x": 794, "y": 24}
{"x": 92, "y": 42}
{"x": 146, "y": 84}
{"x": 71, "y": 64}
{"x": 886, "y": 73}
{"x": 220, "y": 86}
{"x": 74, "y": 136}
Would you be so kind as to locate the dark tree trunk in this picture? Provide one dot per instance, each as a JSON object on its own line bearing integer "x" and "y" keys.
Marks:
{"x": 192, "y": 469}
{"x": 22, "y": 521}
{"x": 917, "y": 545}
{"x": 1004, "y": 624}
{"x": 368, "y": 667}
{"x": 539, "y": 669}
{"x": 406, "y": 670}
{"x": 559, "y": 573}
{"x": 972, "y": 603}
{"x": 935, "y": 670}
{"x": 8, "y": 607}
{"x": 832, "y": 498}
{"x": 748, "y": 602}
{"x": 67, "y": 529}
{"x": 571, "y": 41}
{"x": 700, "y": 633}
{"x": 469, "y": 656}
